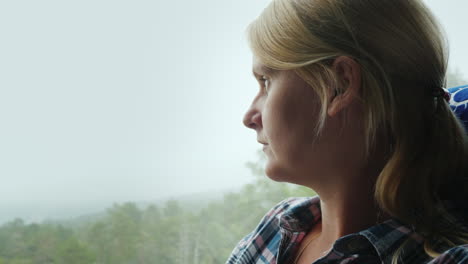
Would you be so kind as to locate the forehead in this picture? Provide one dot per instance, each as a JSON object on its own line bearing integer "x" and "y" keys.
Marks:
{"x": 258, "y": 67}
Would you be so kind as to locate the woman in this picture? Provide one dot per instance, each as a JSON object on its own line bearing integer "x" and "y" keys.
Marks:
{"x": 351, "y": 105}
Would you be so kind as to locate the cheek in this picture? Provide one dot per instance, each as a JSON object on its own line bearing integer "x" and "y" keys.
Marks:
{"x": 300, "y": 117}
{"x": 278, "y": 119}
{"x": 290, "y": 128}
{"x": 287, "y": 125}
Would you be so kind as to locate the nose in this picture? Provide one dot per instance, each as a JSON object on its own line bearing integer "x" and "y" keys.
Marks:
{"x": 253, "y": 118}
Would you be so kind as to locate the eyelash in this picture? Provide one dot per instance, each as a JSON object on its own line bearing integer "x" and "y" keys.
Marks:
{"x": 262, "y": 79}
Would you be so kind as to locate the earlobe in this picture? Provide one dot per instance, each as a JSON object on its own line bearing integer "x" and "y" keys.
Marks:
{"x": 349, "y": 78}
{"x": 337, "y": 104}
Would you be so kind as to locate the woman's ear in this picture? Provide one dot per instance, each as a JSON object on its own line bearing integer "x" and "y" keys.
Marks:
{"x": 348, "y": 73}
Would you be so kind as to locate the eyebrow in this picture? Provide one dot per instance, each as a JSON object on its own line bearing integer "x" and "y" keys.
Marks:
{"x": 264, "y": 69}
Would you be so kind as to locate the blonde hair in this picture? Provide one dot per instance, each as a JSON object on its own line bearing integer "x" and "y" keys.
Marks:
{"x": 402, "y": 52}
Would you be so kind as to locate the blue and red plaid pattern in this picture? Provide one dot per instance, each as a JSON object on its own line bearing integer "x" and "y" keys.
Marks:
{"x": 279, "y": 234}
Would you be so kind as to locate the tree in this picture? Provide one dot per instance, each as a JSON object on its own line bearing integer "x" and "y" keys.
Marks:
{"x": 71, "y": 251}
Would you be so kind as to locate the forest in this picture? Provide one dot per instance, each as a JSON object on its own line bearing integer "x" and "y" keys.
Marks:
{"x": 171, "y": 233}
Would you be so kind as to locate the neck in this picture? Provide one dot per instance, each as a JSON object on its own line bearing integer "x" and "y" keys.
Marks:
{"x": 348, "y": 207}
{"x": 344, "y": 214}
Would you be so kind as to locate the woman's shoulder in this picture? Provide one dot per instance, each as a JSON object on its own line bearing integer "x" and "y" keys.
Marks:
{"x": 455, "y": 255}
{"x": 265, "y": 235}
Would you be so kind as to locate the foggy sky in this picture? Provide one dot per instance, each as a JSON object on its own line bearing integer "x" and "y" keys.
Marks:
{"x": 111, "y": 101}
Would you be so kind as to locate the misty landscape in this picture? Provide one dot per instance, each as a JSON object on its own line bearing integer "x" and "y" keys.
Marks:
{"x": 195, "y": 229}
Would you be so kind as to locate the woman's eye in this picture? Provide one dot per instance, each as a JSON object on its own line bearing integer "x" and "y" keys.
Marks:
{"x": 264, "y": 82}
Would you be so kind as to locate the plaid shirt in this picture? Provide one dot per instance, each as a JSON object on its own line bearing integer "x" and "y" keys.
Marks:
{"x": 279, "y": 234}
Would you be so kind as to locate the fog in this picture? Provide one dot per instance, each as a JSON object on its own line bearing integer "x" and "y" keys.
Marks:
{"x": 112, "y": 101}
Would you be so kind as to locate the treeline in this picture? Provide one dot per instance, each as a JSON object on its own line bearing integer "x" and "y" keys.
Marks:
{"x": 167, "y": 234}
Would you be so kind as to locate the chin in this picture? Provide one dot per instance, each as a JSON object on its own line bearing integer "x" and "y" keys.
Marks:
{"x": 282, "y": 174}
{"x": 276, "y": 179}
{"x": 276, "y": 174}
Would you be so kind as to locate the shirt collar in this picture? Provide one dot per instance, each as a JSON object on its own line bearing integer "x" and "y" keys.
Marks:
{"x": 385, "y": 237}
{"x": 301, "y": 215}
